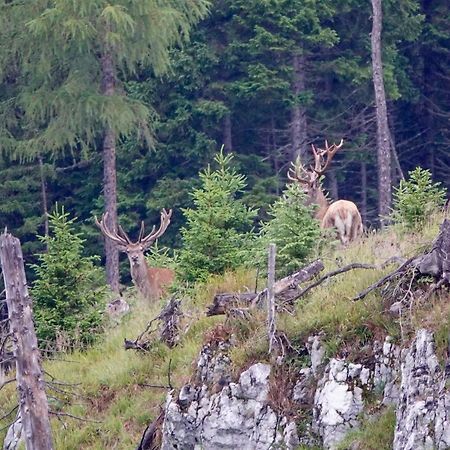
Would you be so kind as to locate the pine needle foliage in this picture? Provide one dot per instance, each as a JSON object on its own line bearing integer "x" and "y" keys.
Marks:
{"x": 218, "y": 228}
{"x": 53, "y": 51}
{"x": 69, "y": 291}
{"x": 292, "y": 228}
{"x": 416, "y": 199}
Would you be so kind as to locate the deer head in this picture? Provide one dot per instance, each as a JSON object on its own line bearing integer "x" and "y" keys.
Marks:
{"x": 140, "y": 272}
{"x": 310, "y": 179}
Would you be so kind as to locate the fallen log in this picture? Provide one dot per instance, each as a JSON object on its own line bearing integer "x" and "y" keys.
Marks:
{"x": 285, "y": 290}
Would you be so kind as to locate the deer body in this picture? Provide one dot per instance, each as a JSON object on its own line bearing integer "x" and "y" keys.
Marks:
{"x": 151, "y": 282}
{"x": 342, "y": 215}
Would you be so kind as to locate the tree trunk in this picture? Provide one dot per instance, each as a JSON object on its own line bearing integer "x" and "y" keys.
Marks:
{"x": 44, "y": 195}
{"x": 299, "y": 132}
{"x": 227, "y": 135}
{"x": 364, "y": 192}
{"x": 30, "y": 384}
{"x": 333, "y": 185}
{"x": 109, "y": 177}
{"x": 383, "y": 134}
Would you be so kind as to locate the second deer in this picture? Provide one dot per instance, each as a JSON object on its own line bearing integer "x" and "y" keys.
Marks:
{"x": 151, "y": 282}
{"x": 341, "y": 214}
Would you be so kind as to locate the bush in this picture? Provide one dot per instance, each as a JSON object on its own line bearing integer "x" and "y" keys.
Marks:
{"x": 416, "y": 198}
{"x": 292, "y": 228}
{"x": 218, "y": 227}
{"x": 69, "y": 291}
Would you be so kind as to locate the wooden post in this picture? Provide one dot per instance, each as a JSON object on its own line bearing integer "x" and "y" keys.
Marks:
{"x": 33, "y": 403}
{"x": 271, "y": 326}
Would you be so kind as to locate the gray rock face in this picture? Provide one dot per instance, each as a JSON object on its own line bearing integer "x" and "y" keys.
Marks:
{"x": 423, "y": 412}
{"x": 386, "y": 375}
{"x": 219, "y": 414}
{"x": 338, "y": 400}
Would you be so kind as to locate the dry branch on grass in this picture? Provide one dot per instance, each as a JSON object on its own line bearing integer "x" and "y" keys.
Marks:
{"x": 435, "y": 263}
{"x": 169, "y": 330}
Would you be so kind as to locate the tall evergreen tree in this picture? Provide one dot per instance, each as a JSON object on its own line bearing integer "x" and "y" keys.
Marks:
{"x": 68, "y": 60}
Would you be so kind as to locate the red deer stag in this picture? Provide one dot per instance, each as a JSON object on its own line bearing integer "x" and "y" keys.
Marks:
{"x": 150, "y": 281}
{"x": 342, "y": 214}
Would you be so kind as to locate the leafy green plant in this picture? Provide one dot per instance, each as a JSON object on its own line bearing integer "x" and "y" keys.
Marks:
{"x": 292, "y": 228}
{"x": 218, "y": 228}
{"x": 416, "y": 198}
{"x": 69, "y": 291}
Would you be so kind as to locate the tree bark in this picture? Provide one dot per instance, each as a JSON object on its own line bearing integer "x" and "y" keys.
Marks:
{"x": 227, "y": 134}
{"x": 299, "y": 126}
{"x": 30, "y": 384}
{"x": 44, "y": 195}
{"x": 363, "y": 202}
{"x": 109, "y": 176}
{"x": 383, "y": 134}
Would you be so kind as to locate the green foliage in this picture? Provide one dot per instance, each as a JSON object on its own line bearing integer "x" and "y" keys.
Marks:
{"x": 292, "y": 228}
{"x": 218, "y": 226}
{"x": 69, "y": 291}
{"x": 416, "y": 198}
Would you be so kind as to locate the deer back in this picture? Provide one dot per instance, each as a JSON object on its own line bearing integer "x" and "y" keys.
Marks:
{"x": 160, "y": 278}
{"x": 345, "y": 217}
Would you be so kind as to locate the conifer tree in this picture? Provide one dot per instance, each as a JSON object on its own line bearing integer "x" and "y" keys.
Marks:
{"x": 218, "y": 227}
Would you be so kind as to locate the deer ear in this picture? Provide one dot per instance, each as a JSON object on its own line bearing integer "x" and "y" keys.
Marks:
{"x": 121, "y": 248}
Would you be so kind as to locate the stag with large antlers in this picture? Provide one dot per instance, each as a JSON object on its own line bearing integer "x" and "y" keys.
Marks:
{"x": 150, "y": 281}
{"x": 341, "y": 214}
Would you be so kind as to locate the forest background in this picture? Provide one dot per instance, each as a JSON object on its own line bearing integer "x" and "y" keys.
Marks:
{"x": 265, "y": 79}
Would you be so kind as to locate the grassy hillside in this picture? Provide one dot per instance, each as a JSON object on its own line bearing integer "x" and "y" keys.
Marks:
{"x": 110, "y": 385}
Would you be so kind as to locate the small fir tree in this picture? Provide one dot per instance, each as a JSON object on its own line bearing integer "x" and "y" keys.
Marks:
{"x": 416, "y": 198}
{"x": 292, "y": 228}
{"x": 218, "y": 228}
{"x": 69, "y": 291}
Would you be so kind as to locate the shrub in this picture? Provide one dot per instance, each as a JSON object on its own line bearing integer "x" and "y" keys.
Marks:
{"x": 218, "y": 227}
{"x": 416, "y": 198}
{"x": 292, "y": 228}
{"x": 69, "y": 291}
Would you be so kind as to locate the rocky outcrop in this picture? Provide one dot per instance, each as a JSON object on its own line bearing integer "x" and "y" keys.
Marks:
{"x": 219, "y": 414}
{"x": 215, "y": 413}
{"x": 423, "y": 412}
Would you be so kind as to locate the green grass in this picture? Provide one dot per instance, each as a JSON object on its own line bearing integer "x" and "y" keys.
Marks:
{"x": 376, "y": 433}
{"x": 111, "y": 379}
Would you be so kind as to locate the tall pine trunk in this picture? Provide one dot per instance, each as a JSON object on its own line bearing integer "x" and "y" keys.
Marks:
{"x": 109, "y": 176}
{"x": 227, "y": 133}
{"x": 299, "y": 126}
{"x": 383, "y": 134}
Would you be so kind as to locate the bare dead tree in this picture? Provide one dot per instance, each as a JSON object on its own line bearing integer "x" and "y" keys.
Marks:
{"x": 33, "y": 403}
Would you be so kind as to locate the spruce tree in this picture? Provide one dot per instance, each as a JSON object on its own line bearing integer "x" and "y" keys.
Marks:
{"x": 217, "y": 231}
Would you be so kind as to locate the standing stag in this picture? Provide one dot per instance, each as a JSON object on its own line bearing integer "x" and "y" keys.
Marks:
{"x": 150, "y": 281}
{"x": 342, "y": 214}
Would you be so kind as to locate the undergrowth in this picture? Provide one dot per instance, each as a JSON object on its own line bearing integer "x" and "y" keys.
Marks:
{"x": 116, "y": 404}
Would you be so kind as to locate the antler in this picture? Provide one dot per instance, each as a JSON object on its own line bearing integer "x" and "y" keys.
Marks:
{"x": 319, "y": 153}
{"x": 153, "y": 235}
{"x": 121, "y": 237}
{"x": 113, "y": 235}
{"x": 298, "y": 173}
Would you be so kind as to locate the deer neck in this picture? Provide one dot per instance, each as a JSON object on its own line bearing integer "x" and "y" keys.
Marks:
{"x": 323, "y": 204}
{"x": 141, "y": 279}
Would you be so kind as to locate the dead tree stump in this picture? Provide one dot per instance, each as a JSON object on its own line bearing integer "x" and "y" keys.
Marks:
{"x": 30, "y": 384}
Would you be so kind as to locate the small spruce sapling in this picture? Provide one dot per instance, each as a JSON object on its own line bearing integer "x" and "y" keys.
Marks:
{"x": 416, "y": 199}
{"x": 69, "y": 291}
{"x": 218, "y": 227}
{"x": 292, "y": 228}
